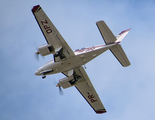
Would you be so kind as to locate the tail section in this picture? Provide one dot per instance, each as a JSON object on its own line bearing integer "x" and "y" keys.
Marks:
{"x": 122, "y": 35}
{"x": 109, "y": 38}
{"x": 119, "y": 53}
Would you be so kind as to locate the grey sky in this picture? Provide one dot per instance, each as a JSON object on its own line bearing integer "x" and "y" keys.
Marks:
{"x": 127, "y": 93}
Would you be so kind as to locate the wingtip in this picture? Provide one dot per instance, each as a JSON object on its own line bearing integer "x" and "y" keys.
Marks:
{"x": 101, "y": 111}
{"x": 35, "y": 8}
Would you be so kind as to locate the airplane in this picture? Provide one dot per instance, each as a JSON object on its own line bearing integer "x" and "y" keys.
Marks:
{"x": 70, "y": 63}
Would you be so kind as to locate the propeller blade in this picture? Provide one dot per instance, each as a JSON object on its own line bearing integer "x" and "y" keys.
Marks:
{"x": 37, "y": 57}
{"x": 60, "y": 91}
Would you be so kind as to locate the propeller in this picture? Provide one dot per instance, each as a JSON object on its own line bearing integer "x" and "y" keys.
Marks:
{"x": 37, "y": 55}
{"x": 60, "y": 89}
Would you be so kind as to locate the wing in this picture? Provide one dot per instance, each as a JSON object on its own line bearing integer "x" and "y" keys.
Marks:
{"x": 51, "y": 34}
{"x": 85, "y": 87}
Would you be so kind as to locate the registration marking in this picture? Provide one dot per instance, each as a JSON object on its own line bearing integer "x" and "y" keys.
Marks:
{"x": 91, "y": 97}
{"x": 46, "y": 27}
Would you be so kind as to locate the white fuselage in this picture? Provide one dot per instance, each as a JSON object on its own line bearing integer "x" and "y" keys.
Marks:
{"x": 82, "y": 56}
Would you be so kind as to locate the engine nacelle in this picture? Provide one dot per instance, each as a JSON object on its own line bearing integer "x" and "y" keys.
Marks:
{"x": 69, "y": 81}
{"x": 66, "y": 82}
{"x": 46, "y": 50}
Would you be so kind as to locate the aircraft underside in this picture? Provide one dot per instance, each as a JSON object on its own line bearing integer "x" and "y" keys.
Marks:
{"x": 70, "y": 62}
{"x": 66, "y": 65}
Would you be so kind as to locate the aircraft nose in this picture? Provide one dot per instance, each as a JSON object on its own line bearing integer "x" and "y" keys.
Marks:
{"x": 37, "y": 72}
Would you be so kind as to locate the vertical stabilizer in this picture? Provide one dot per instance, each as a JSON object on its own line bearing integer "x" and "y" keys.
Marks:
{"x": 122, "y": 35}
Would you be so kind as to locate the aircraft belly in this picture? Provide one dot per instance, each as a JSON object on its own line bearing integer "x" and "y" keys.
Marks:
{"x": 80, "y": 60}
{"x": 73, "y": 62}
{"x": 86, "y": 57}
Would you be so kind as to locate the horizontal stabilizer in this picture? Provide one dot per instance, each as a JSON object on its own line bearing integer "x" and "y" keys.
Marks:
{"x": 119, "y": 53}
{"x": 109, "y": 38}
{"x": 106, "y": 33}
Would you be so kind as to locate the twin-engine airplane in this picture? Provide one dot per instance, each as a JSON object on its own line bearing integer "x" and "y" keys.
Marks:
{"x": 70, "y": 62}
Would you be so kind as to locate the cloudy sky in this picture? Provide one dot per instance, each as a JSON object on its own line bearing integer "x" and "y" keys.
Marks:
{"x": 127, "y": 93}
